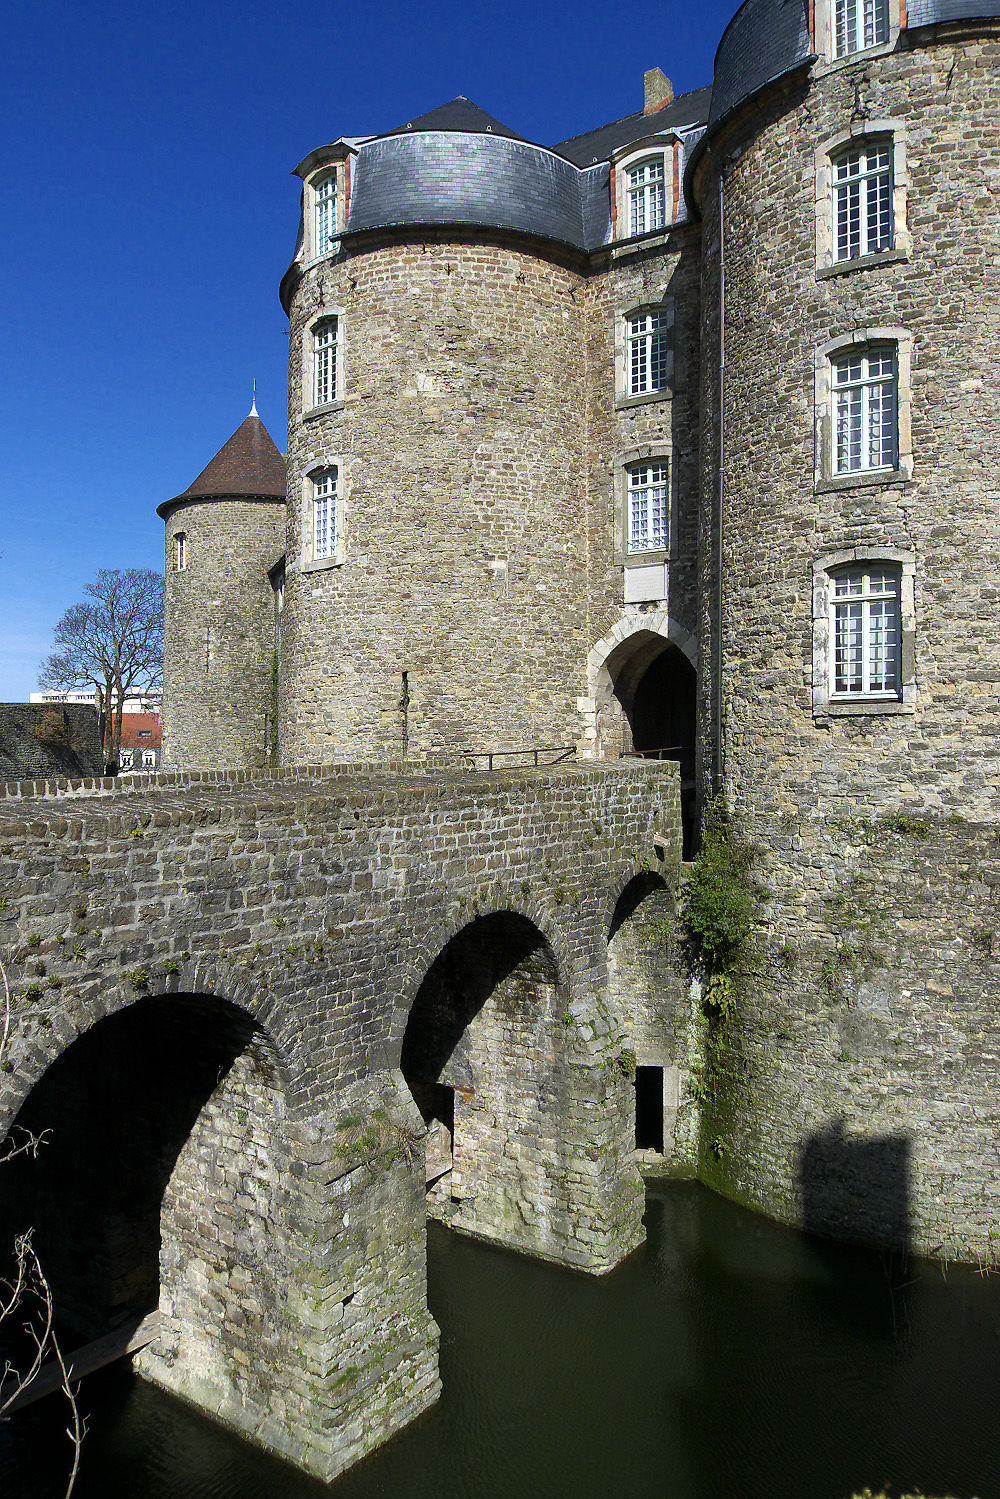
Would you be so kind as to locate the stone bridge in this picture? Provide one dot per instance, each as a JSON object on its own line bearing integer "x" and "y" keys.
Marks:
{"x": 257, "y": 1014}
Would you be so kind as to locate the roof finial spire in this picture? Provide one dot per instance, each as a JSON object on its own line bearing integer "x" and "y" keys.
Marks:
{"x": 253, "y": 400}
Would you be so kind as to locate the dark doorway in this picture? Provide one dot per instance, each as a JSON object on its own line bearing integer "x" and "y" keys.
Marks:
{"x": 649, "y": 1109}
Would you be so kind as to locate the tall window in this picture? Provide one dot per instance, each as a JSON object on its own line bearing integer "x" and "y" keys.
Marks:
{"x": 646, "y": 196}
{"x": 324, "y": 513}
{"x": 865, "y": 631}
{"x": 325, "y": 362}
{"x": 858, "y": 24}
{"x": 180, "y": 552}
{"x": 326, "y": 213}
{"x": 865, "y": 404}
{"x": 648, "y": 341}
{"x": 648, "y": 507}
{"x": 862, "y": 195}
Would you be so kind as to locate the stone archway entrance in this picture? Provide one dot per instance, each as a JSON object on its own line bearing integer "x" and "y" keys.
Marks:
{"x": 645, "y": 701}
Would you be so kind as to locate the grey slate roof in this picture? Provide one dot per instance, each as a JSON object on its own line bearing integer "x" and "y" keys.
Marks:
{"x": 458, "y": 114}
{"x": 455, "y": 177}
{"x": 765, "y": 39}
{"x": 927, "y": 12}
{"x": 599, "y": 145}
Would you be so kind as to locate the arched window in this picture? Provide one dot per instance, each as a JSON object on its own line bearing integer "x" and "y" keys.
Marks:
{"x": 646, "y": 195}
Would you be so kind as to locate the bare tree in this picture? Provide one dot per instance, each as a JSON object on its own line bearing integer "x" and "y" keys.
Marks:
{"x": 26, "y": 1299}
{"x": 113, "y": 639}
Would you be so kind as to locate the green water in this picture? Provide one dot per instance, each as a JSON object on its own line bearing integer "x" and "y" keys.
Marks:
{"x": 728, "y": 1359}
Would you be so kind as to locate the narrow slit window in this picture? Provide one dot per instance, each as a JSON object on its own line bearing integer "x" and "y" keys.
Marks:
{"x": 180, "y": 552}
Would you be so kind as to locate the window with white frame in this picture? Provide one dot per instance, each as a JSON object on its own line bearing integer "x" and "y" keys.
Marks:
{"x": 647, "y": 357}
{"x": 324, "y": 514}
{"x": 858, "y": 25}
{"x": 325, "y": 362}
{"x": 863, "y": 200}
{"x": 325, "y": 213}
{"x": 865, "y": 632}
{"x": 648, "y": 504}
{"x": 865, "y": 399}
{"x": 180, "y": 552}
{"x": 646, "y": 195}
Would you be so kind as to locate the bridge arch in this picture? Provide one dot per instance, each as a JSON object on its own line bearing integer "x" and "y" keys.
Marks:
{"x": 155, "y": 1187}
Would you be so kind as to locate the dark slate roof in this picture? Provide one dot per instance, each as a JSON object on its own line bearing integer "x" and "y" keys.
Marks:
{"x": 471, "y": 178}
{"x": 49, "y": 739}
{"x": 458, "y": 114}
{"x": 927, "y": 12}
{"x": 765, "y": 39}
{"x": 248, "y": 465}
{"x": 599, "y": 145}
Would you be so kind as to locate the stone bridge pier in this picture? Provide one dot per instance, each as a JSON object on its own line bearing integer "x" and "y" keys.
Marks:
{"x": 254, "y": 1015}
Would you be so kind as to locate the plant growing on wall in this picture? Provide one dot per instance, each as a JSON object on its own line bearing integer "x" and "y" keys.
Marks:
{"x": 719, "y": 905}
{"x": 26, "y": 1309}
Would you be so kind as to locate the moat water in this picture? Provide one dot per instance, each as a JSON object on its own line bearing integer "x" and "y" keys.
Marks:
{"x": 729, "y": 1358}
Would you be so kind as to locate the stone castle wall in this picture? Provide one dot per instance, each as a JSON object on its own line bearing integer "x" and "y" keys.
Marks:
{"x": 857, "y": 1099}
{"x": 460, "y": 446}
{"x": 219, "y": 627}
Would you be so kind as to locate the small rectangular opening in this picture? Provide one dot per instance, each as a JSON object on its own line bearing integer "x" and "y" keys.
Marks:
{"x": 649, "y": 1109}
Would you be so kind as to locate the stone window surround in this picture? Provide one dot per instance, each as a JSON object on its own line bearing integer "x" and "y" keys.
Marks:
{"x": 824, "y": 39}
{"x": 314, "y": 464}
{"x": 665, "y": 306}
{"x": 825, "y": 706}
{"x": 180, "y": 551}
{"x": 664, "y": 146}
{"x": 857, "y": 133}
{"x": 320, "y": 315}
{"x": 825, "y": 478}
{"x": 310, "y": 184}
{"x": 647, "y": 452}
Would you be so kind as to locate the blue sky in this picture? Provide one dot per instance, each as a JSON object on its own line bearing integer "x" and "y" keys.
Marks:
{"x": 149, "y": 215}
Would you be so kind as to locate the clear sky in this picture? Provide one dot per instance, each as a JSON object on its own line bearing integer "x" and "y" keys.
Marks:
{"x": 148, "y": 215}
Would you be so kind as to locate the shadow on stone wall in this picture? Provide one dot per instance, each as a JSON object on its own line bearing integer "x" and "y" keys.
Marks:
{"x": 856, "y": 1187}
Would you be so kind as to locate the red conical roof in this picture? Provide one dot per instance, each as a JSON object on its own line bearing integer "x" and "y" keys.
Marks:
{"x": 247, "y": 465}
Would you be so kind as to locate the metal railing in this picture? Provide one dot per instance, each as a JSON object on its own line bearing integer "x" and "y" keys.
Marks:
{"x": 672, "y": 752}
{"x": 558, "y": 753}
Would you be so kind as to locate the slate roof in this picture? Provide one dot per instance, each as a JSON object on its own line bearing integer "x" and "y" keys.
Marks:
{"x": 600, "y": 144}
{"x": 765, "y": 39}
{"x": 247, "y": 466}
{"x": 458, "y": 114}
{"x": 471, "y": 178}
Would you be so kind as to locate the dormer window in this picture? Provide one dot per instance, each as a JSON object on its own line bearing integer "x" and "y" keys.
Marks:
{"x": 325, "y": 213}
{"x": 858, "y": 25}
{"x": 646, "y": 195}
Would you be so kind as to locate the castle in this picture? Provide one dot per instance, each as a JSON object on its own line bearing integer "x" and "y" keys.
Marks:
{"x": 675, "y": 439}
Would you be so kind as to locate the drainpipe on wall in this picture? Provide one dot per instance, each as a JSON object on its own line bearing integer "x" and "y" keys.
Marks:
{"x": 718, "y": 765}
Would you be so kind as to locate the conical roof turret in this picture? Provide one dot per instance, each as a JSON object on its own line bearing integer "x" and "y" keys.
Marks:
{"x": 248, "y": 466}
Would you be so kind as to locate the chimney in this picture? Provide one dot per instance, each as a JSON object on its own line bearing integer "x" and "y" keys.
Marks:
{"x": 659, "y": 90}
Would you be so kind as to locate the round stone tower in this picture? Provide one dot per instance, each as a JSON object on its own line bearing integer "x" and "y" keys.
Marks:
{"x": 224, "y": 540}
{"x": 437, "y": 525}
{"x": 847, "y": 182}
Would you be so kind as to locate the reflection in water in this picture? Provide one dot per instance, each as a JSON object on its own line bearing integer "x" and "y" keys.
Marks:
{"x": 728, "y": 1357}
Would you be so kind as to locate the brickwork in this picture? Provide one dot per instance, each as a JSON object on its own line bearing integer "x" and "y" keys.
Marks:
{"x": 313, "y": 905}
{"x": 220, "y": 628}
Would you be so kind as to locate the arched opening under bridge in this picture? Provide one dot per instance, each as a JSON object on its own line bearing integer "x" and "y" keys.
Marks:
{"x": 483, "y": 1057}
